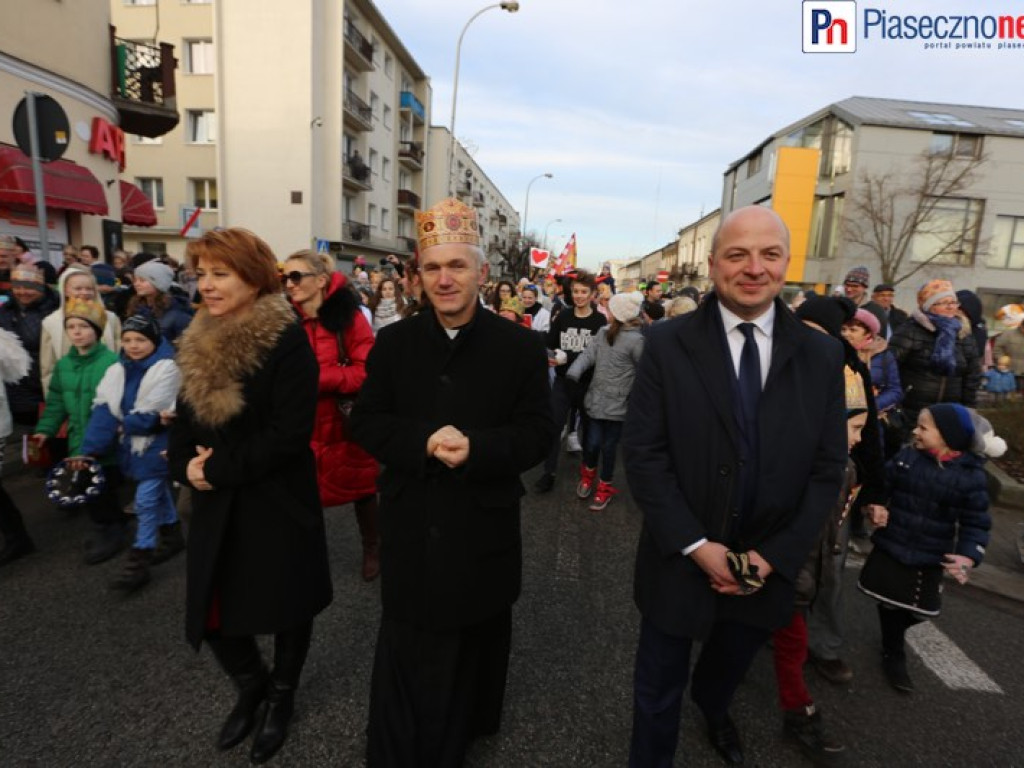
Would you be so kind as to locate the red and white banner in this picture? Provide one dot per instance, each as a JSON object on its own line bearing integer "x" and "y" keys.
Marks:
{"x": 567, "y": 259}
{"x": 539, "y": 258}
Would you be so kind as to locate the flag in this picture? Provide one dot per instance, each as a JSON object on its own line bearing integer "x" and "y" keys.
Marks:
{"x": 567, "y": 259}
{"x": 539, "y": 258}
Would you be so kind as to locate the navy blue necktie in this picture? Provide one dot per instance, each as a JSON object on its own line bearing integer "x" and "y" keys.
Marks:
{"x": 750, "y": 375}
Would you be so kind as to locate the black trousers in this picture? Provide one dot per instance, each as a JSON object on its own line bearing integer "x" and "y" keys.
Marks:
{"x": 433, "y": 692}
{"x": 662, "y": 673}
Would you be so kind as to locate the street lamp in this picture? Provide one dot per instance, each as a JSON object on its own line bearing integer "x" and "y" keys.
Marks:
{"x": 511, "y": 7}
{"x": 526, "y": 206}
{"x": 546, "y": 228}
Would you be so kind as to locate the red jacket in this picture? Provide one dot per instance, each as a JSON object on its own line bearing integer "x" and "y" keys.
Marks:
{"x": 345, "y": 472}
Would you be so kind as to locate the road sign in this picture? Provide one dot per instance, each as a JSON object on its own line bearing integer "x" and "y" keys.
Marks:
{"x": 662, "y": 276}
{"x": 52, "y": 127}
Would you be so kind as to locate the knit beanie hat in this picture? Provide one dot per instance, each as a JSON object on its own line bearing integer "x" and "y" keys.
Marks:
{"x": 963, "y": 429}
{"x": 884, "y": 288}
{"x": 626, "y": 306}
{"x": 868, "y": 320}
{"x": 934, "y": 291}
{"x": 145, "y": 325}
{"x": 157, "y": 274}
{"x": 93, "y": 312}
{"x": 830, "y": 312}
{"x": 859, "y": 275}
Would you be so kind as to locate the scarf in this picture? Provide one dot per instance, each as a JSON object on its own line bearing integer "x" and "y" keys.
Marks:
{"x": 158, "y": 392}
{"x": 943, "y": 357}
{"x": 386, "y": 313}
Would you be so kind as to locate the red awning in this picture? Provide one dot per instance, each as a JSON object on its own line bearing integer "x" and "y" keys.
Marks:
{"x": 68, "y": 185}
{"x": 136, "y": 209}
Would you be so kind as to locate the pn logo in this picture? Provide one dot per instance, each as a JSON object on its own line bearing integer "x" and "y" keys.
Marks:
{"x": 830, "y": 26}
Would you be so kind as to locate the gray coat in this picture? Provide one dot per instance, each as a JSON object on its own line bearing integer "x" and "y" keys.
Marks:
{"x": 614, "y": 370}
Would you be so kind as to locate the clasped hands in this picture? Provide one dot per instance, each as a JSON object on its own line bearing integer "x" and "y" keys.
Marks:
{"x": 711, "y": 557}
{"x": 196, "y": 470}
{"x": 449, "y": 446}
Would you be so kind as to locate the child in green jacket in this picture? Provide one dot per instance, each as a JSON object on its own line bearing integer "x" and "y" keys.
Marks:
{"x": 70, "y": 397}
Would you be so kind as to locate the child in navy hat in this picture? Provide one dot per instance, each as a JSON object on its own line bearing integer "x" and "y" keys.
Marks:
{"x": 937, "y": 522}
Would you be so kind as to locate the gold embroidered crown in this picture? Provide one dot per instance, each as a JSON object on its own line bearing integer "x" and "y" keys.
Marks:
{"x": 449, "y": 221}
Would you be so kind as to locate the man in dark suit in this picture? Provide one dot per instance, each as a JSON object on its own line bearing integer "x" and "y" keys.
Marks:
{"x": 883, "y": 296}
{"x": 734, "y": 442}
{"x": 456, "y": 407}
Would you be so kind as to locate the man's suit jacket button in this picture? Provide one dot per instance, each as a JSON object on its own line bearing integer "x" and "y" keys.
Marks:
{"x": 723, "y": 469}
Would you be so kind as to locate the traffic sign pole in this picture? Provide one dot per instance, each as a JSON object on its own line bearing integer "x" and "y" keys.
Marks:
{"x": 37, "y": 174}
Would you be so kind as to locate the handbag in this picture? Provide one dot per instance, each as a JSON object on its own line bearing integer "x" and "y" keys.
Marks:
{"x": 344, "y": 402}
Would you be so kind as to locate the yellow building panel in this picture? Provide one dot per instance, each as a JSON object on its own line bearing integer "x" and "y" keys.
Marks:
{"x": 796, "y": 174}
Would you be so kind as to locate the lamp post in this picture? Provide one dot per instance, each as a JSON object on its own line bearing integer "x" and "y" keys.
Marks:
{"x": 546, "y": 228}
{"x": 526, "y": 206}
{"x": 507, "y": 5}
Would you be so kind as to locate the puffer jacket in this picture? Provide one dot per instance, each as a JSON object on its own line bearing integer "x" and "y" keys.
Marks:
{"x": 72, "y": 390}
{"x": 937, "y": 507}
{"x": 885, "y": 377}
{"x": 344, "y": 471}
{"x": 614, "y": 371}
{"x": 912, "y": 346}
{"x": 174, "y": 320}
{"x": 25, "y": 396}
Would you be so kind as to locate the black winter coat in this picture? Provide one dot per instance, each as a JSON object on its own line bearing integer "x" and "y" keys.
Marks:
{"x": 912, "y": 346}
{"x": 257, "y": 541}
{"x": 936, "y": 508}
{"x": 25, "y": 396}
{"x": 451, "y": 549}
{"x": 682, "y": 446}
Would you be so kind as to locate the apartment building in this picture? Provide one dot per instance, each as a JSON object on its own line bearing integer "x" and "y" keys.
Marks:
{"x": 815, "y": 172}
{"x": 694, "y": 247}
{"x": 95, "y": 83}
{"x": 305, "y": 122}
{"x": 498, "y": 220}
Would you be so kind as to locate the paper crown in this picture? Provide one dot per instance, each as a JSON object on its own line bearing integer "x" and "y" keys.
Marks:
{"x": 86, "y": 309}
{"x": 514, "y": 305}
{"x": 856, "y": 398}
{"x": 449, "y": 221}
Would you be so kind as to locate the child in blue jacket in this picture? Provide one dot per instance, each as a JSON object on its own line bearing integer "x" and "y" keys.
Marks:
{"x": 937, "y": 522}
{"x": 127, "y": 412}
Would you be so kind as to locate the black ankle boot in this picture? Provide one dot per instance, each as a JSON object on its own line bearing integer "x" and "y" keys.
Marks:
{"x": 172, "y": 541}
{"x": 290, "y": 649}
{"x": 240, "y": 658}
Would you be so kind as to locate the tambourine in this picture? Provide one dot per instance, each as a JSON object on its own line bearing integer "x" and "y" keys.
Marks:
{"x": 67, "y": 488}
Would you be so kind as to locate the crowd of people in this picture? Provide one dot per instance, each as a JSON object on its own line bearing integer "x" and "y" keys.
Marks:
{"x": 757, "y": 435}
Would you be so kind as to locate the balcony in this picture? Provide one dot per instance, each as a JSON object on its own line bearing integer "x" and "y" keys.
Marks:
{"x": 356, "y": 232}
{"x": 408, "y": 242}
{"x": 358, "y": 50}
{"x": 411, "y": 155}
{"x": 355, "y": 174}
{"x": 408, "y": 200}
{"x": 142, "y": 86}
{"x": 478, "y": 199}
{"x": 358, "y": 114}
{"x": 409, "y": 103}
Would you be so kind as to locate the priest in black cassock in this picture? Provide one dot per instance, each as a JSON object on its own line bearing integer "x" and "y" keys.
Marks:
{"x": 455, "y": 406}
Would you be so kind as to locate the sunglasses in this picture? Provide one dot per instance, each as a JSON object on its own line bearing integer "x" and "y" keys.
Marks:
{"x": 296, "y": 277}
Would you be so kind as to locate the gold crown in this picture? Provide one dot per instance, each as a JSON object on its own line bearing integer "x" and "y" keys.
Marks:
{"x": 856, "y": 398}
{"x": 449, "y": 221}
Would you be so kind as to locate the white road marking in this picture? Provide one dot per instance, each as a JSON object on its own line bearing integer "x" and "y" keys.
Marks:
{"x": 944, "y": 657}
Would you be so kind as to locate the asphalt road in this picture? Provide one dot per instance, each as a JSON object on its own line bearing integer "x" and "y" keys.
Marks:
{"x": 91, "y": 678}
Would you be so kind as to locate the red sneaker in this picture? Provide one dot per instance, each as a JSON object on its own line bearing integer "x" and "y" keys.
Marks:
{"x": 586, "y": 484}
{"x": 605, "y": 492}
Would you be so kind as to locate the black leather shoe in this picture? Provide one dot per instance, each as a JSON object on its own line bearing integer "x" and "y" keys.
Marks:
{"x": 273, "y": 730}
{"x": 251, "y": 692}
{"x": 895, "y": 667}
{"x": 544, "y": 483}
{"x": 726, "y": 740}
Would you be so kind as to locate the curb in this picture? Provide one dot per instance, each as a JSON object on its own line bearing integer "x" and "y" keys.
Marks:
{"x": 1003, "y": 489}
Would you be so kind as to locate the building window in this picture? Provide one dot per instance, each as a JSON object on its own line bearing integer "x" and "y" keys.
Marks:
{"x": 940, "y": 118}
{"x": 403, "y": 180}
{"x": 387, "y": 117}
{"x": 155, "y": 247}
{"x": 375, "y": 105}
{"x": 153, "y": 188}
{"x": 385, "y": 220}
{"x": 136, "y": 139}
{"x": 1007, "y": 250}
{"x": 201, "y": 126}
{"x": 385, "y": 168}
{"x": 372, "y": 213}
{"x": 204, "y": 193}
{"x": 197, "y": 2}
{"x": 404, "y": 226}
{"x": 199, "y": 58}
{"x": 949, "y": 234}
{"x": 140, "y": 2}
{"x": 389, "y": 65}
{"x": 825, "y": 227}
{"x": 964, "y": 145}
{"x": 374, "y": 161}
{"x": 754, "y": 165}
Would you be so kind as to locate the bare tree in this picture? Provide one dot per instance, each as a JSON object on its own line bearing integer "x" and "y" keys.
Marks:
{"x": 892, "y": 211}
